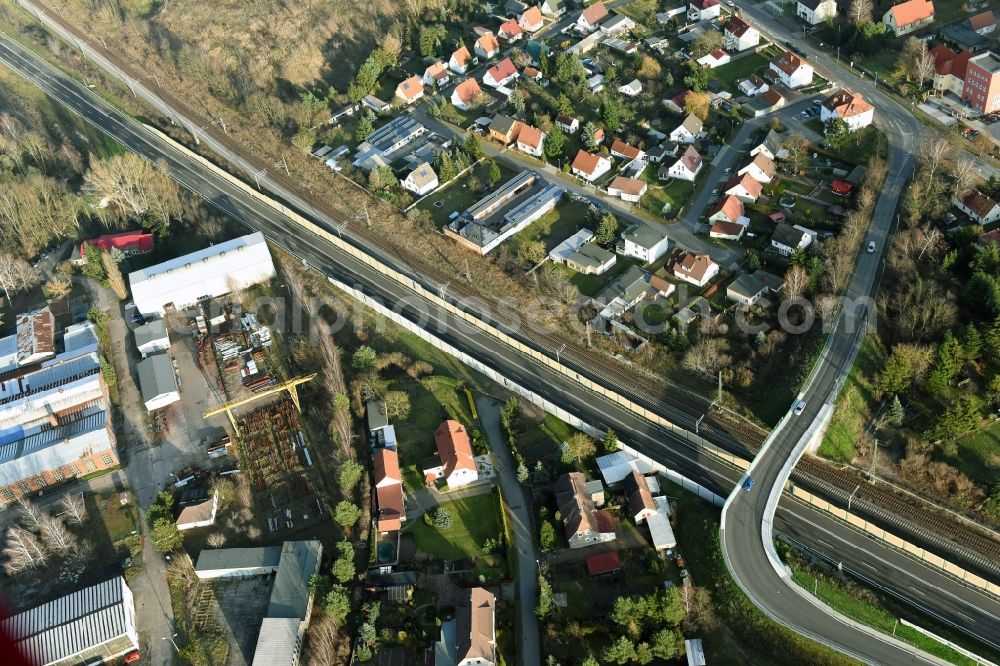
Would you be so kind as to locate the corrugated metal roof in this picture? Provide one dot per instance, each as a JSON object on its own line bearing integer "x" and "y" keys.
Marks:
{"x": 74, "y": 623}
{"x": 51, "y": 448}
{"x": 290, "y": 595}
{"x": 277, "y": 641}
{"x": 206, "y": 254}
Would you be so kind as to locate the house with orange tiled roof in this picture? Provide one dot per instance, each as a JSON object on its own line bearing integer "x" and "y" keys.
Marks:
{"x": 687, "y": 166}
{"x": 591, "y": 17}
{"x": 500, "y": 74}
{"x": 389, "y": 512}
{"x": 437, "y": 75}
{"x": 761, "y": 169}
{"x": 850, "y": 107}
{"x": 909, "y": 16}
{"x": 745, "y": 188}
{"x": 949, "y": 69}
{"x": 628, "y": 189}
{"x": 530, "y": 20}
{"x": 530, "y": 140}
{"x": 460, "y": 60}
{"x": 583, "y": 522}
{"x": 590, "y": 167}
{"x": 465, "y": 94}
{"x": 724, "y": 230}
{"x": 983, "y": 23}
{"x": 454, "y": 462}
{"x": 698, "y": 269}
{"x": 475, "y": 629}
{"x": 623, "y": 150}
{"x": 410, "y": 90}
{"x": 487, "y": 45}
{"x": 703, "y": 10}
{"x": 510, "y": 31}
{"x": 729, "y": 209}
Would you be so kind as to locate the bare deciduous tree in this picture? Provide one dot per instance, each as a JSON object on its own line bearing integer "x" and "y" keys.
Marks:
{"x": 16, "y": 274}
{"x": 130, "y": 187}
{"x": 796, "y": 281}
{"x": 707, "y": 357}
{"x": 216, "y": 539}
{"x": 930, "y": 240}
{"x": 965, "y": 176}
{"x": 22, "y": 551}
{"x": 932, "y": 154}
{"x": 56, "y": 537}
{"x": 860, "y": 11}
{"x": 923, "y": 67}
{"x": 31, "y": 515}
{"x": 74, "y": 508}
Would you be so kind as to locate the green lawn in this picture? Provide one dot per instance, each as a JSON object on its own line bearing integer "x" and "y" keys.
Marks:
{"x": 853, "y": 406}
{"x": 739, "y": 69}
{"x": 458, "y": 196}
{"x": 840, "y": 598}
{"x": 863, "y": 144}
{"x": 432, "y": 400}
{"x": 119, "y": 520}
{"x": 475, "y": 521}
{"x": 979, "y": 454}
{"x": 554, "y": 227}
{"x": 543, "y": 440}
{"x": 674, "y": 192}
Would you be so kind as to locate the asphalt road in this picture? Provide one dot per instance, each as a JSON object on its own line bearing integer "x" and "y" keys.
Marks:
{"x": 977, "y": 613}
{"x": 747, "y": 520}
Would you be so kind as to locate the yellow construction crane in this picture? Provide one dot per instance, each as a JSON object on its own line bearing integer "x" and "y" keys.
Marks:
{"x": 291, "y": 386}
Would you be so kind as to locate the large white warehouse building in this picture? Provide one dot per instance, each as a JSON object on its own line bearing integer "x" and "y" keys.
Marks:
{"x": 214, "y": 271}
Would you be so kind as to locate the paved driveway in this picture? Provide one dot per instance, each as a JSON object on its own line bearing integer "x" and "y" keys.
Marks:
{"x": 519, "y": 500}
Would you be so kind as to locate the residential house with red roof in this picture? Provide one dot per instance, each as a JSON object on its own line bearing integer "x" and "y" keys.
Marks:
{"x": 724, "y": 230}
{"x": 979, "y": 207}
{"x": 624, "y": 151}
{"x": 850, "y": 107}
{"x": 454, "y": 463}
{"x": 694, "y": 268}
{"x": 983, "y": 23}
{"x": 410, "y": 90}
{"x": 909, "y": 16}
{"x": 792, "y": 70}
{"x": 704, "y": 10}
{"x": 591, "y": 17}
{"x": 640, "y": 499}
{"x": 602, "y": 563}
{"x": 460, "y": 60}
{"x": 738, "y": 35}
{"x": 500, "y": 74}
{"x": 437, "y": 75}
{"x": 716, "y": 58}
{"x": 590, "y": 167}
{"x": 510, "y": 31}
{"x": 389, "y": 511}
{"x": 583, "y": 522}
{"x": 475, "y": 629}
{"x": 949, "y": 69}
{"x": 531, "y": 20}
{"x": 465, "y": 94}
{"x": 531, "y": 140}
{"x": 729, "y": 209}
{"x": 487, "y": 45}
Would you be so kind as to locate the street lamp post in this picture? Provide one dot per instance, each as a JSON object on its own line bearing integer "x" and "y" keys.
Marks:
{"x": 171, "y": 639}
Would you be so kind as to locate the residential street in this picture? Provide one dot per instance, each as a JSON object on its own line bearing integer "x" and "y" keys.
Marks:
{"x": 519, "y": 500}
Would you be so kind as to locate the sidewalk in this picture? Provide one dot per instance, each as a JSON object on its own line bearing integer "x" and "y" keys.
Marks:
{"x": 518, "y": 499}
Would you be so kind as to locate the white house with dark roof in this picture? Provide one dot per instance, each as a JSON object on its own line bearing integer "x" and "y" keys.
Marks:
{"x": 738, "y": 35}
{"x": 749, "y": 288}
{"x": 688, "y": 131}
{"x": 421, "y": 180}
{"x": 787, "y": 239}
{"x": 753, "y": 85}
{"x": 816, "y": 11}
{"x": 979, "y": 207}
{"x": 771, "y": 147}
{"x": 792, "y": 70}
{"x": 644, "y": 243}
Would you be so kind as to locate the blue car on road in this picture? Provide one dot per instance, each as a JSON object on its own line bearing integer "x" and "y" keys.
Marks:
{"x": 748, "y": 484}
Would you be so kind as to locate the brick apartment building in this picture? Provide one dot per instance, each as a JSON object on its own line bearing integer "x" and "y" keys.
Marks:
{"x": 982, "y": 82}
